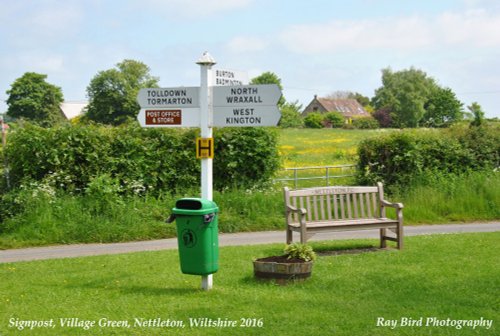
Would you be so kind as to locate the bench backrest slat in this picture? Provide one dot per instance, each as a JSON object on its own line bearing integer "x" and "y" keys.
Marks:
{"x": 329, "y": 207}
{"x": 335, "y": 203}
{"x": 355, "y": 205}
{"x": 365, "y": 205}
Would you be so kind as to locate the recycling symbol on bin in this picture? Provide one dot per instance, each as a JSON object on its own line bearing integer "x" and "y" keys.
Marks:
{"x": 188, "y": 238}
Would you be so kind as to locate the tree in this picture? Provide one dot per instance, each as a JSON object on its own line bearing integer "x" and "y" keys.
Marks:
{"x": 363, "y": 100}
{"x": 290, "y": 115}
{"x": 405, "y": 93}
{"x": 383, "y": 116}
{"x": 112, "y": 93}
{"x": 269, "y": 78}
{"x": 477, "y": 114}
{"x": 32, "y": 98}
{"x": 442, "y": 108}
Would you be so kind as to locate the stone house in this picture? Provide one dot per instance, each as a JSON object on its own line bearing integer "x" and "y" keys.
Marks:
{"x": 349, "y": 108}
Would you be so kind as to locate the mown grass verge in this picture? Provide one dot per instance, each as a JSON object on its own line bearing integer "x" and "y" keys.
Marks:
{"x": 444, "y": 276}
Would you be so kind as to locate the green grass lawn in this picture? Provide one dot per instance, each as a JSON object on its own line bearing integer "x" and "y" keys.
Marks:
{"x": 441, "y": 276}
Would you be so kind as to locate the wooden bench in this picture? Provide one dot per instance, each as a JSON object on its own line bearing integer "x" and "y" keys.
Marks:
{"x": 312, "y": 210}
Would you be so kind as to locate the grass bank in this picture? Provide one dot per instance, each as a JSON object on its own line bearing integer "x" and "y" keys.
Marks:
{"x": 69, "y": 219}
{"x": 42, "y": 216}
{"x": 346, "y": 295}
{"x": 452, "y": 198}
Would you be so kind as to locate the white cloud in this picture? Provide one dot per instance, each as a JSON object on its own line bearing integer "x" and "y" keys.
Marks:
{"x": 39, "y": 61}
{"x": 56, "y": 20}
{"x": 474, "y": 28}
{"x": 26, "y": 24}
{"x": 245, "y": 44}
{"x": 176, "y": 9}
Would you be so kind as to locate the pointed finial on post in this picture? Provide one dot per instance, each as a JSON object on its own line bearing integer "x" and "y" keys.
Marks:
{"x": 206, "y": 59}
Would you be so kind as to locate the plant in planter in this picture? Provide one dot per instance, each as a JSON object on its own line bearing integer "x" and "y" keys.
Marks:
{"x": 294, "y": 265}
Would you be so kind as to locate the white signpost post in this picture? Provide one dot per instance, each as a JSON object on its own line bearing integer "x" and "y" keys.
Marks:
{"x": 211, "y": 104}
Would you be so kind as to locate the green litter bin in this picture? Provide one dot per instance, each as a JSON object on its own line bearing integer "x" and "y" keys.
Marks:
{"x": 197, "y": 235}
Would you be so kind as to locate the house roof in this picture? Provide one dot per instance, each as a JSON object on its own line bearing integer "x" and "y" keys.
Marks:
{"x": 348, "y": 107}
{"x": 72, "y": 109}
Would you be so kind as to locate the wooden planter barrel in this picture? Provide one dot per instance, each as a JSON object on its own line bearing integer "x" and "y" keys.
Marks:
{"x": 282, "y": 270}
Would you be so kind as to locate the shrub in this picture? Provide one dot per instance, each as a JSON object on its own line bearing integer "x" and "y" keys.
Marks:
{"x": 245, "y": 157}
{"x": 482, "y": 142}
{"x": 290, "y": 116}
{"x": 334, "y": 119}
{"x": 365, "y": 123}
{"x": 399, "y": 158}
{"x": 300, "y": 251}
{"x": 314, "y": 120}
{"x": 139, "y": 160}
{"x": 383, "y": 116}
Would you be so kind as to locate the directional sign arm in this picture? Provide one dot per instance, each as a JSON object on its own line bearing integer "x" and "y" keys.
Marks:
{"x": 247, "y": 95}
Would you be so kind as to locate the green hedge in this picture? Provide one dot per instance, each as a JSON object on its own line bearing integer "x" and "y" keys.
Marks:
{"x": 398, "y": 158}
{"x": 137, "y": 160}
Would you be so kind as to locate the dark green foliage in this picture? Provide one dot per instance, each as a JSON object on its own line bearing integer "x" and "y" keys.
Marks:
{"x": 383, "y": 116}
{"x": 290, "y": 115}
{"x": 483, "y": 144}
{"x": 334, "y": 119}
{"x": 365, "y": 123}
{"x": 113, "y": 92}
{"x": 138, "y": 160}
{"x": 269, "y": 77}
{"x": 415, "y": 99}
{"x": 442, "y": 109}
{"x": 33, "y": 99}
{"x": 477, "y": 114}
{"x": 399, "y": 158}
{"x": 245, "y": 157}
{"x": 67, "y": 156}
{"x": 314, "y": 120}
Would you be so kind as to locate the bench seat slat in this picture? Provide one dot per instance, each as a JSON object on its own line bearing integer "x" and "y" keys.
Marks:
{"x": 353, "y": 222}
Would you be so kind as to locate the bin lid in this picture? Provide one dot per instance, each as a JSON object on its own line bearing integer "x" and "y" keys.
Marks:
{"x": 194, "y": 206}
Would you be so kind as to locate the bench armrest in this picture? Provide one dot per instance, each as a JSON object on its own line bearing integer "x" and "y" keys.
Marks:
{"x": 392, "y": 205}
{"x": 292, "y": 209}
{"x": 399, "y": 210}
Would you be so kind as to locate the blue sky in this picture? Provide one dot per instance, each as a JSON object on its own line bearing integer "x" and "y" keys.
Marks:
{"x": 315, "y": 46}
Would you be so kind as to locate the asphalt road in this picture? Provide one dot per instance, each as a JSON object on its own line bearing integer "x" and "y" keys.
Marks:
{"x": 225, "y": 239}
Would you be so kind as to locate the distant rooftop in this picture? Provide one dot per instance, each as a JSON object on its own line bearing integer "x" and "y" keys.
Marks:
{"x": 348, "y": 107}
{"x": 72, "y": 109}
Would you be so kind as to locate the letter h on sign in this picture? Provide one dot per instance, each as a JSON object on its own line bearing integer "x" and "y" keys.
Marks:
{"x": 204, "y": 148}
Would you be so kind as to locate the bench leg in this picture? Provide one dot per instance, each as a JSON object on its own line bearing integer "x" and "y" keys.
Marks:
{"x": 400, "y": 236}
{"x": 289, "y": 236}
{"x": 383, "y": 241}
{"x": 303, "y": 235}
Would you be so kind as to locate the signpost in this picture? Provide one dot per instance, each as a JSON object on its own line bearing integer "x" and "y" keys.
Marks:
{"x": 246, "y": 105}
{"x": 169, "y": 97}
{"x": 212, "y": 104}
{"x": 223, "y": 77}
{"x": 169, "y": 117}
